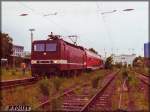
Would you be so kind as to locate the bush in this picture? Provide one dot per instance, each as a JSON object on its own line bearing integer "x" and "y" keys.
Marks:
{"x": 133, "y": 81}
{"x": 95, "y": 82}
{"x": 44, "y": 87}
{"x": 118, "y": 65}
{"x": 125, "y": 74}
{"x": 57, "y": 83}
{"x": 108, "y": 63}
{"x": 56, "y": 104}
{"x": 13, "y": 72}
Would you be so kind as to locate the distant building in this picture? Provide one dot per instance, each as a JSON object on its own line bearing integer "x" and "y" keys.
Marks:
{"x": 124, "y": 59}
{"x": 18, "y": 51}
{"x": 26, "y": 54}
{"x": 147, "y": 50}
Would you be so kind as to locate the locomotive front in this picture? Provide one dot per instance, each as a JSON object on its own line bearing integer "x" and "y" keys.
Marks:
{"x": 44, "y": 57}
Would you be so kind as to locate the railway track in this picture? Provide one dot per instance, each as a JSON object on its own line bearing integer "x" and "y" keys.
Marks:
{"x": 144, "y": 87}
{"x": 45, "y": 105}
{"x": 18, "y": 82}
{"x": 144, "y": 78}
{"x": 75, "y": 102}
{"x": 101, "y": 101}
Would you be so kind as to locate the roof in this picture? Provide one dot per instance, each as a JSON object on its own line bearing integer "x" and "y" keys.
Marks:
{"x": 18, "y": 46}
{"x": 60, "y": 39}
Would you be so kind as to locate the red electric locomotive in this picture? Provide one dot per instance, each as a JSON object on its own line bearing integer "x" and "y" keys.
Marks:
{"x": 56, "y": 56}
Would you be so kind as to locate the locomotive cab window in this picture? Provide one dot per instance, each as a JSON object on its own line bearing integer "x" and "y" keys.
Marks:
{"x": 51, "y": 47}
{"x": 38, "y": 47}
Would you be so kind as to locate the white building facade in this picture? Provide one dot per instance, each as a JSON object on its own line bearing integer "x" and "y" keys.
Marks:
{"x": 124, "y": 59}
{"x": 18, "y": 51}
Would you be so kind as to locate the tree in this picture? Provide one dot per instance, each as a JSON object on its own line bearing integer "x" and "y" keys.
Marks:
{"x": 6, "y": 43}
{"x": 138, "y": 61}
{"x": 108, "y": 63}
{"x": 93, "y": 50}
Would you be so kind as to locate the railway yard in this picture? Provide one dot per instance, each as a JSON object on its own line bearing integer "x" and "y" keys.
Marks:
{"x": 76, "y": 56}
{"x": 100, "y": 90}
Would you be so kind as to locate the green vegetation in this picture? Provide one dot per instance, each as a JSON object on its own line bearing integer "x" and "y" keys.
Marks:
{"x": 108, "y": 63}
{"x": 44, "y": 86}
{"x": 19, "y": 96}
{"x": 12, "y": 74}
{"x": 6, "y": 43}
{"x": 95, "y": 82}
{"x": 118, "y": 65}
{"x": 138, "y": 62}
{"x": 133, "y": 81}
{"x": 57, "y": 83}
{"x": 144, "y": 70}
{"x": 139, "y": 96}
{"x": 49, "y": 88}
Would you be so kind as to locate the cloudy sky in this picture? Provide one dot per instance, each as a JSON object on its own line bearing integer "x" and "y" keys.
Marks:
{"x": 120, "y": 32}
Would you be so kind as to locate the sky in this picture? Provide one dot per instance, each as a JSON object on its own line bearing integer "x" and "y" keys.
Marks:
{"x": 120, "y": 32}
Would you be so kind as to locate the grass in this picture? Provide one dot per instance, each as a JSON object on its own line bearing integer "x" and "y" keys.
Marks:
{"x": 141, "y": 102}
{"x": 12, "y": 74}
{"x": 133, "y": 81}
{"x": 19, "y": 96}
{"x": 88, "y": 78}
{"x": 95, "y": 82}
{"x": 144, "y": 70}
{"x": 116, "y": 96}
{"x": 46, "y": 87}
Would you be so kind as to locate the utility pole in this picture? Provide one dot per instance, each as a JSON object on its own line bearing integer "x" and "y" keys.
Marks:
{"x": 105, "y": 53}
{"x": 31, "y": 30}
{"x": 132, "y": 51}
{"x": 117, "y": 51}
{"x": 14, "y": 63}
{"x": 112, "y": 51}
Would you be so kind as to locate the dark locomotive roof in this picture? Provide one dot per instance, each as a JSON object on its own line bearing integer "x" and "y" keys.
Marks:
{"x": 73, "y": 45}
{"x": 57, "y": 38}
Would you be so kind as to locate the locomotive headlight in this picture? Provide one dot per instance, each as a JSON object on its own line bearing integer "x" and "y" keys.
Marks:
{"x": 33, "y": 61}
{"x": 55, "y": 61}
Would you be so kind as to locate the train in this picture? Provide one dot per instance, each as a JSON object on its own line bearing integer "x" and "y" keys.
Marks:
{"x": 55, "y": 56}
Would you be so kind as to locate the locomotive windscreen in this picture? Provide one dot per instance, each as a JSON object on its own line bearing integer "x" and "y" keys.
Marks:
{"x": 45, "y": 47}
{"x": 51, "y": 47}
{"x": 39, "y": 47}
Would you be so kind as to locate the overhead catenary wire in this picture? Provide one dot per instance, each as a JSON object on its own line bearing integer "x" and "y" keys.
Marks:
{"x": 48, "y": 19}
{"x": 42, "y": 15}
{"x": 51, "y": 21}
{"x": 105, "y": 25}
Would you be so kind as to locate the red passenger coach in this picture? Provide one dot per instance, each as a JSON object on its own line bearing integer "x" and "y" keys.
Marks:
{"x": 93, "y": 61}
{"x": 56, "y": 56}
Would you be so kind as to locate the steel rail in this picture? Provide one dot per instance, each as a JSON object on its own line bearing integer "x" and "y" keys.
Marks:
{"x": 141, "y": 73}
{"x": 100, "y": 92}
{"x": 63, "y": 94}
{"x": 143, "y": 80}
{"x": 18, "y": 82}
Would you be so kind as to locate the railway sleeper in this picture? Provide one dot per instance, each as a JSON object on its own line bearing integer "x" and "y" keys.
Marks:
{"x": 77, "y": 95}
{"x": 74, "y": 104}
{"x": 100, "y": 109}
{"x": 77, "y": 99}
{"x": 69, "y": 110}
{"x": 72, "y": 107}
{"x": 72, "y": 101}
